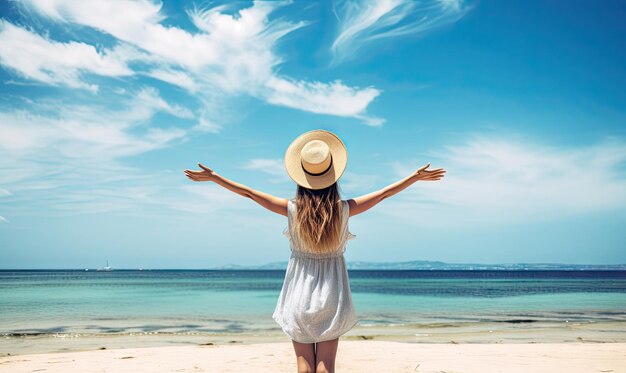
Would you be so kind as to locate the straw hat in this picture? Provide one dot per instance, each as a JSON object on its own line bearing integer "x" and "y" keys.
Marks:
{"x": 316, "y": 159}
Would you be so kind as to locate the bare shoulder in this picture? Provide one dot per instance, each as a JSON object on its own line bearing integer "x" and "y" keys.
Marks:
{"x": 354, "y": 207}
{"x": 283, "y": 206}
{"x": 278, "y": 205}
{"x": 363, "y": 203}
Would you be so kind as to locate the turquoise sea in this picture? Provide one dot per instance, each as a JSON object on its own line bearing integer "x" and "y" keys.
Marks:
{"x": 50, "y": 310}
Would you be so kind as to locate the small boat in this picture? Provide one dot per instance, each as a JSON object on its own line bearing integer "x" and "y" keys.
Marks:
{"x": 107, "y": 268}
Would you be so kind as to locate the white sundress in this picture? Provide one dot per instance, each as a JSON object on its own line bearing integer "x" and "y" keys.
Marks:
{"x": 315, "y": 303}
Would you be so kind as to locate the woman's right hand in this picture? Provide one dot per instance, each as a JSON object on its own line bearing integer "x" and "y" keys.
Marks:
{"x": 429, "y": 175}
{"x": 206, "y": 174}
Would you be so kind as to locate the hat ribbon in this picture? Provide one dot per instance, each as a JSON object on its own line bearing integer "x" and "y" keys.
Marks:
{"x": 321, "y": 173}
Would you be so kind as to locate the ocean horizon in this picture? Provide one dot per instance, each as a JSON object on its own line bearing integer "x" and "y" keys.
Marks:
{"x": 369, "y": 265}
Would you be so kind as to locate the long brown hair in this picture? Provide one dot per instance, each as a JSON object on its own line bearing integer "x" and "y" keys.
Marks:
{"x": 318, "y": 218}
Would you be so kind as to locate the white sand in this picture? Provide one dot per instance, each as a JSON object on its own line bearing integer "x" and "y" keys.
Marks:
{"x": 352, "y": 356}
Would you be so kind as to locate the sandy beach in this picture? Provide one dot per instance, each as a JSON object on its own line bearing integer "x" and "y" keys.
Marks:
{"x": 352, "y": 356}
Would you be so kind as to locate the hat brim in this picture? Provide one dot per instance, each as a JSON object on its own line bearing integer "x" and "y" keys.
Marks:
{"x": 293, "y": 163}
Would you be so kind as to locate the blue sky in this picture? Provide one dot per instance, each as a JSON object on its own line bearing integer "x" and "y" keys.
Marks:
{"x": 104, "y": 105}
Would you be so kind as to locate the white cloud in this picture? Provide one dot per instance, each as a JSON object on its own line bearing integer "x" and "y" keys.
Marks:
{"x": 453, "y": 4}
{"x": 363, "y": 21}
{"x": 54, "y": 153}
{"x": 150, "y": 97}
{"x": 232, "y": 54}
{"x": 207, "y": 125}
{"x": 56, "y": 63}
{"x": 501, "y": 180}
{"x": 178, "y": 78}
{"x": 207, "y": 197}
{"x": 63, "y": 159}
{"x": 275, "y": 167}
{"x": 88, "y": 131}
{"x": 334, "y": 98}
{"x": 352, "y": 182}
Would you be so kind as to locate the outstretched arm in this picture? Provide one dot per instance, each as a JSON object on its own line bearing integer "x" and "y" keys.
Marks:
{"x": 366, "y": 202}
{"x": 270, "y": 202}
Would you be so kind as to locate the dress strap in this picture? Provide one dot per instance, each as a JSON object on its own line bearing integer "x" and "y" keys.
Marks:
{"x": 346, "y": 215}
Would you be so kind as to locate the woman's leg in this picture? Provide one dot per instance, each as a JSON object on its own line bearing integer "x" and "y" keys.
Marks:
{"x": 305, "y": 353}
{"x": 325, "y": 353}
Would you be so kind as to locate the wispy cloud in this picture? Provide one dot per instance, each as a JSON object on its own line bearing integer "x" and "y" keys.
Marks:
{"x": 273, "y": 167}
{"x": 85, "y": 131}
{"x": 353, "y": 182}
{"x": 206, "y": 198}
{"x": 175, "y": 77}
{"x": 324, "y": 98}
{"x": 232, "y": 54}
{"x": 150, "y": 99}
{"x": 54, "y": 152}
{"x": 43, "y": 60}
{"x": 362, "y": 22}
{"x": 514, "y": 179}
{"x": 65, "y": 159}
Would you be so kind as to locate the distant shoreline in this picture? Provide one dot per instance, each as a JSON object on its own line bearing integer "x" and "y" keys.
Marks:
{"x": 620, "y": 269}
{"x": 366, "y": 266}
{"x": 350, "y": 269}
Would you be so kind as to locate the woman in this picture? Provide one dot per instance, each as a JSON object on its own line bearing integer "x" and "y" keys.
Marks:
{"x": 315, "y": 304}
